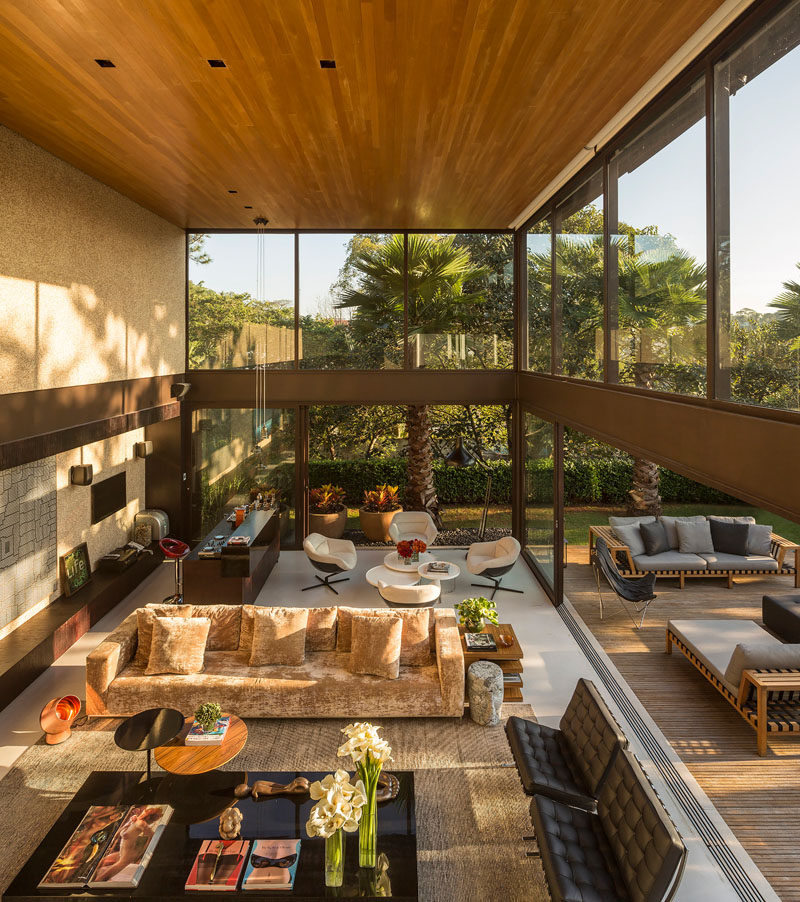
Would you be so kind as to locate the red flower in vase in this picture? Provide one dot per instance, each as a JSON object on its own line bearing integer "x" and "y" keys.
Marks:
{"x": 418, "y": 546}
{"x": 404, "y": 548}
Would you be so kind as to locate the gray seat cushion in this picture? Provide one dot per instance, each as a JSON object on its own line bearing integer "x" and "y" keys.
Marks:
{"x": 576, "y": 854}
{"x": 591, "y": 732}
{"x": 644, "y": 842}
{"x": 545, "y": 763}
{"x": 721, "y": 561}
{"x": 713, "y": 641}
{"x": 670, "y": 560}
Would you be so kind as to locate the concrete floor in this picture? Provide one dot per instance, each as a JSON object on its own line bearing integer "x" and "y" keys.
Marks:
{"x": 552, "y": 664}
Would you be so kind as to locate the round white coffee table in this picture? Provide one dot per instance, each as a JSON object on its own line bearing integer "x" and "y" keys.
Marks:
{"x": 446, "y": 580}
{"x": 392, "y": 577}
{"x": 394, "y": 562}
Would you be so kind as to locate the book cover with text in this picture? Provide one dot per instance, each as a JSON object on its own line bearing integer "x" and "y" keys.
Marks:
{"x": 271, "y": 864}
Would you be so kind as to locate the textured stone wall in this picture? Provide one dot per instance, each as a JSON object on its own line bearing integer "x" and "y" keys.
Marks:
{"x": 28, "y": 559}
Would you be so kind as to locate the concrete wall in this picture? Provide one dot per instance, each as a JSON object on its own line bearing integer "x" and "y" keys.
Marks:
{"x": 91, "y": 284}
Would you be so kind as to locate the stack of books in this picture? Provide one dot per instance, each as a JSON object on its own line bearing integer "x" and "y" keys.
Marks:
{"x": 263, "y": 864}
{"x": 198, "y": 736}
{"x": 438, "y": 567}
{"x": 480, "y": 642}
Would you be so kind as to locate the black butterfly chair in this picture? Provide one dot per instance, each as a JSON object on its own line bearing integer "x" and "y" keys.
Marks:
{"x": 638, "y": 593}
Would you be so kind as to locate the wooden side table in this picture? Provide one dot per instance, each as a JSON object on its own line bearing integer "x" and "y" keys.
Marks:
{"x": 178, "y": 758}
{"x": 509, "y": 660}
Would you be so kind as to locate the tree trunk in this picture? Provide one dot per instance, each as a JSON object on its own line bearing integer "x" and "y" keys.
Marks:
{"x": 421, "y": 492}
{"x": 644, "y": 497}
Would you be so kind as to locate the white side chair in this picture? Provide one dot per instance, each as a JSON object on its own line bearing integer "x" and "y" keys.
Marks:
{"x": 410, "y": 596}
{"x": 329, "y": 556}
{"x": 408, "y": 525}
{"x": 493, "y": 560}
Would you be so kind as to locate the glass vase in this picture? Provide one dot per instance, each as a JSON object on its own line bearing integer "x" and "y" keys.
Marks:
{"x": 368, "y": 826}
{"x": 415, "y": 557}
{"x": 334, "y": 859}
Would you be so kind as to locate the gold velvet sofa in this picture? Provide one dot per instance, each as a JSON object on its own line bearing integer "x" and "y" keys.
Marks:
{"x": 116, "y": 683}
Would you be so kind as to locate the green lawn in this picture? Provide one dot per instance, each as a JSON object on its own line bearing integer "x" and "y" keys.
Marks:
{"x": 577, "y": 520}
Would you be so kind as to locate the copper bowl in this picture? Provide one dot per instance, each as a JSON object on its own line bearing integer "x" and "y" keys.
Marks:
{"x": 57, "y": 717}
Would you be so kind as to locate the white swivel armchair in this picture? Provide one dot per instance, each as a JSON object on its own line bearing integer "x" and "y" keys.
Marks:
{"x": 329, "y": 556}
{"x": 492, "y": 560}
{"x": 408, "y": 525}
{"x": 410, "y": 596}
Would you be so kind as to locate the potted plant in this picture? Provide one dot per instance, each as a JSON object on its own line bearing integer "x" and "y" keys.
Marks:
{"x": 376, "y": 514}
{"x": 327, "y": 512}
{"x": 207, "y": 716}
{"x": 473, "y": 611}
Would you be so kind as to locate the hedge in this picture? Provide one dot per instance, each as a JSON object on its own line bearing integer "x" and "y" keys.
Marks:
{"x": 585, "y": 482}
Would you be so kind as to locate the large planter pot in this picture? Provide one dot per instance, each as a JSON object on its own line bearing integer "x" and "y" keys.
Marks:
{"x": 330, "y": 525}
{"x": 375, "y": 524}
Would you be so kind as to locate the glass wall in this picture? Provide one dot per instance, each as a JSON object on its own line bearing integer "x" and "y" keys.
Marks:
{"x": 657, "y": 269}
{"x": 241, "y": 306}
{"x": 540, "y": 282}
{"x": 461, "y": 301}
{"x": 540, "y": 494}
{"x": 757, "y": 199}
{"x": 238, "y": 452}
{"x": 351, "y": 301}
{"x": 578, "y": 289}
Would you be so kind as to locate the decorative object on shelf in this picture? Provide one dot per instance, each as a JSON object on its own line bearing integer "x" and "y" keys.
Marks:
{"x": 410, "y": 551}
{"x": 57, "y": 718}
{"x": 230, "y": 823}
{"x": 207, "y": 716}
{"x": 75, "y": 569}
{"x": 485, "y": 689}
{"x": 327, "y": 512}
{"x": 504, "y": 640}
{"x": 377, "y": 512}
{"x": 472, "y": 612}
{"x": 339, "y": 807}
{"x": 388, "y": 787}
{"x": 369, "y": 753}
{"x": 143, "y": 534}
{"x": 268, "y": 789}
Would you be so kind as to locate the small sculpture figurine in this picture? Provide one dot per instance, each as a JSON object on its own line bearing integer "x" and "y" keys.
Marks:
{"x": 388, "y": 787}
{"x": 268, "y": 789}
{"x": 230, "y": 823}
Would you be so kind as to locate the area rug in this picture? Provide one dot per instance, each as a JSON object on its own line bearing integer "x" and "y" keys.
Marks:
{"x": 470, "y": 808}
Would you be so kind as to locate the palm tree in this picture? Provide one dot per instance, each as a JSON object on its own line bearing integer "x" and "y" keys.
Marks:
{"x": 439, "y": 300}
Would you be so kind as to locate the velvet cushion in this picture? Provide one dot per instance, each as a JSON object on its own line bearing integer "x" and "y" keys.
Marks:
{"x": 415, "y": 645}
{"x": 179, "y": 645}
{"x": 694, "y": 538}
{"x": 375, "y": 645}
{"x": 655, "y": 539}
{"x": 145, "y": 618}
{"x": 279, "y": 636}
{"x": 226, "y": 622}
{"x": 321, "y": 629}
{"x": 730, "y": 538}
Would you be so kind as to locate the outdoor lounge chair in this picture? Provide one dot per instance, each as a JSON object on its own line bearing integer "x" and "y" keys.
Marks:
{"x": 638, "y": 593}
{"x": 752, "y": 670}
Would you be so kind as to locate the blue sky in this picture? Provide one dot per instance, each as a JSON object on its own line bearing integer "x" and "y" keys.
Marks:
{"x": 668, "y": 191}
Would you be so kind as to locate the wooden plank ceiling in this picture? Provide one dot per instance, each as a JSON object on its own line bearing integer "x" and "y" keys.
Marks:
{"x": 439, "y": 113}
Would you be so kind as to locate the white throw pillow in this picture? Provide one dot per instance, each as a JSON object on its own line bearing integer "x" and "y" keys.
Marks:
{"x": 759, "y": 539}
{"x": 761, "y": 656}
{"x": 631, "y": 536}
{"x": 695, "y": 538}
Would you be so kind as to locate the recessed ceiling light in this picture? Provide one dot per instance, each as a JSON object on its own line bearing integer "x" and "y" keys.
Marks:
{"x": 217, "y": 64}
{"x": 105, "y": 64}
{"x": 232, "y": 191}
{"x": 327, "y": 64}
{"x": 247, "y": 207}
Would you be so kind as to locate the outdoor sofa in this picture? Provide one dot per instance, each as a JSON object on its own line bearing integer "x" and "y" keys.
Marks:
{"x": 629, "y": 552}
{"x": 752, "y": 670}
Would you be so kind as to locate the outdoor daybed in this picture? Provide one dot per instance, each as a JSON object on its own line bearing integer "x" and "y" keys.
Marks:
{"x": 767, "y": 554}
{"x": 756, "y": 673}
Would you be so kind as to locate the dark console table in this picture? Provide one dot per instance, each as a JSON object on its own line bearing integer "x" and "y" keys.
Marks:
{"x": 198, "y": 802}
{"x": 238, "y": 574}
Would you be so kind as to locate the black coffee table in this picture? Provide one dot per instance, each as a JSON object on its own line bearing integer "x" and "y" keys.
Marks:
{"x": 147, "y": 730}
{"x": 275, "y": 818}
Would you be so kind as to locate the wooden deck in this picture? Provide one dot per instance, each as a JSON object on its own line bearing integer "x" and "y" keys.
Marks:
{"x": 758, "y": 797}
